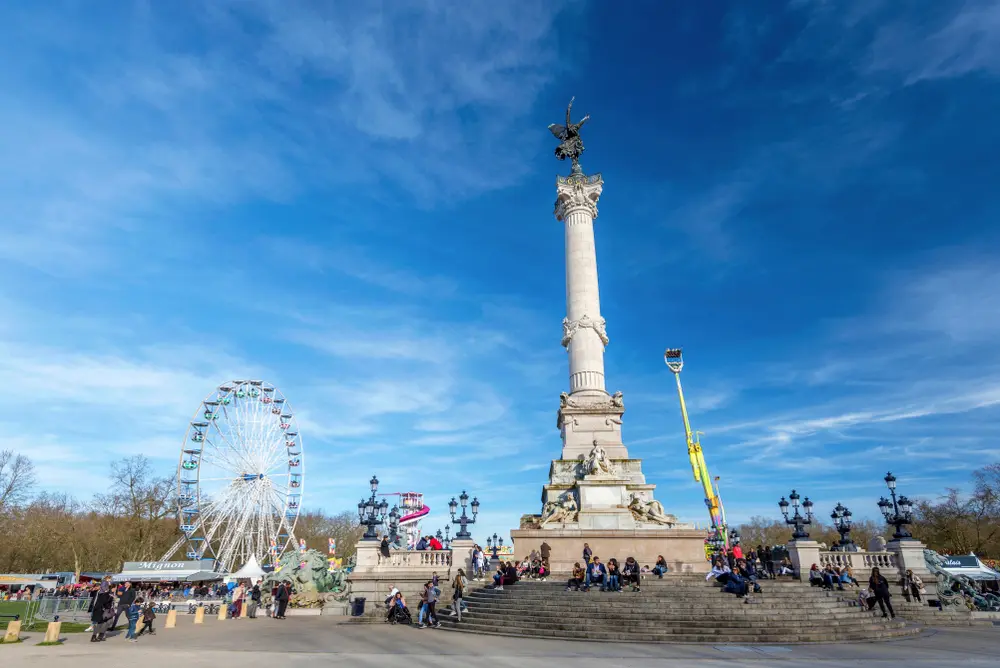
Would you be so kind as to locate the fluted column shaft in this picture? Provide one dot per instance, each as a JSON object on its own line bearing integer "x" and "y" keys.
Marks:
{"x": 583, "y": 328}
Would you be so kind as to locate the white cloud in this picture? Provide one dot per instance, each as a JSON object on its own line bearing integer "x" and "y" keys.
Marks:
{"x": 967, "y": 41}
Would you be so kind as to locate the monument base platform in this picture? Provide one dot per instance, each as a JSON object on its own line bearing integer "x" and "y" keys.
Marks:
{"x": 684, "y": 549}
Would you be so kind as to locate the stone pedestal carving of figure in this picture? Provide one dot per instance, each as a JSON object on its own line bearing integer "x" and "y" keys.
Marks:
{"x": 597, "y": 461}
{"x": 650, "y": 511}
{"x": 562, "y": 510}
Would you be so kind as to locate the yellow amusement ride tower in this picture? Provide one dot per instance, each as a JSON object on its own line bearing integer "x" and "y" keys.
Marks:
{"x": 675, "y": 362}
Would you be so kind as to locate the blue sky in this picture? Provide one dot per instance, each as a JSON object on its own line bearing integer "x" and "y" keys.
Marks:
{"x": 353, "y": 201}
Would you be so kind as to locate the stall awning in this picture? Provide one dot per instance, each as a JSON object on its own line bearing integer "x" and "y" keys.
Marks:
{"x": 17, "y": 580}
{"x": 970, "y": 566}
{"x": 172, "y": 571}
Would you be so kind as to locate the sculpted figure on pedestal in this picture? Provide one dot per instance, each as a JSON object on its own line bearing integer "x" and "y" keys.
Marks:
{"x": 617, "y": 400}
{"x": 563, "y": 509}
{"x": 598, "y": 462}
{"x": 571, "y": 145}
{"x": 650, "y": 511}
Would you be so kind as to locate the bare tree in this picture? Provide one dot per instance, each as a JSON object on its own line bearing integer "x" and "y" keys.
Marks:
{"x": 136, "y": 510}
{"x": 17, "y": 479}
{"x": 316, "y": 527}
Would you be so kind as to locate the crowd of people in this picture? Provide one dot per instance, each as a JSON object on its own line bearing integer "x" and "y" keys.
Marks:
{"x": 110, "y": 604}
{"x": 397, "y": 612}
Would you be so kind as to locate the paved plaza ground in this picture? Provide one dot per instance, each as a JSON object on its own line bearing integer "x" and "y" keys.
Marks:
{"x": 315, "y": 641}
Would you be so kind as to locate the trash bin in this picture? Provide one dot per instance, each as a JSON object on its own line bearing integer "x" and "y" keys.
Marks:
{"x": 359, "y": 607}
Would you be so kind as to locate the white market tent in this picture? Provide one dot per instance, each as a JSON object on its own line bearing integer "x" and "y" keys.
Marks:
{"x": 250, "y": 571}
{"x": 970, "y": 566}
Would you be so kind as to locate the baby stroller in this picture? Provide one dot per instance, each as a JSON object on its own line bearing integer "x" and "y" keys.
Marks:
{"x": 399, "y": 614}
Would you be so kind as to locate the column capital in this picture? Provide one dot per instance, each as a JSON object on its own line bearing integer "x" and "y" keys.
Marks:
{"x": 576, "y": 192}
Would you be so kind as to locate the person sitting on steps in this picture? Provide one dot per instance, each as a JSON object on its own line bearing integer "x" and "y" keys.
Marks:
{"x": 614, "y": 575}
{"x": 831, "y": 577}
{"x": 720, "y": 571}
{"x": 630, "y": 573}
{"x": 660, "y": 567}
{"x": 816, "y": 577}
{"x": 597, "y": 574}
{"x": 577, "y": 580}
{"x": 846, "y": 576}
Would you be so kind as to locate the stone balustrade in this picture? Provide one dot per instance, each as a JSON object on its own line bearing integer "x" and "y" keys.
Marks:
{"x": 860, "y": 561}
{"x": 416, "y": 559}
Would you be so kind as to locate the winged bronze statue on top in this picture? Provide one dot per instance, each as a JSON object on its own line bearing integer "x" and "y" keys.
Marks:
{"x": 571, "y": 145}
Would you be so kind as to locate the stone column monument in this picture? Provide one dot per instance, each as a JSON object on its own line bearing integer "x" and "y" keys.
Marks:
{"x": 596, "y": 493}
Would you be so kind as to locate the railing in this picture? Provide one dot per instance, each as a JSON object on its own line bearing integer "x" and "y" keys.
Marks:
{"x": 429, "y": 559}
{"x": 860, "y": 561}
{"x": 67, "y": 609}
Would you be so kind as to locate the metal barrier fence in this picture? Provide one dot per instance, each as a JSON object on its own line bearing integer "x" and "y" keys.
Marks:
{"x": 67, "y": 609}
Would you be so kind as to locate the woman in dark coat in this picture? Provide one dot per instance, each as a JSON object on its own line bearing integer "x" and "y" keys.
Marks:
{"x": 281, "y": 600}
{"x": 102, "y": 612}
{"x": 878, "y": 586}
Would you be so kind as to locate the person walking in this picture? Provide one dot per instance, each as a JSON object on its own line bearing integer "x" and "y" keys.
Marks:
{"x": 587, "y": 555}
{"x": 103, "y": 611}
{"x": 132, "y": 614}
{"x": 238, "y": 600}
{"x": 879, "y": 588}
{"x": 126, "y": 599}
{"x": 458, "y": 586}
{"x": 913, "y": 584}
{"x": 254, "y": 601}
{"x": 148, "y": 615}
{"x": 281, "y": 601}
{"x": 433, "y": 593}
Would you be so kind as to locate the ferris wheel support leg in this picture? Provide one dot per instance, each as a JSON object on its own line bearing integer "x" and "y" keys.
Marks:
{"x": 173, "y": 549}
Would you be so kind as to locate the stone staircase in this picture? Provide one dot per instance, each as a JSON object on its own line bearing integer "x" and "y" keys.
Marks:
{"x": 917, "y": 613}
{"x": 678, "y": 608}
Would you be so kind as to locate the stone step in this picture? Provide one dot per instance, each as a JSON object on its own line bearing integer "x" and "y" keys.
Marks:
{"x": 741, "y": 611}
{"x": 650, "y": 605}
{"x": 657, "y": 624}
{"x": 563, "y": 595}
{"x": 718, "y": 636}
{"x": 679, "y": 608}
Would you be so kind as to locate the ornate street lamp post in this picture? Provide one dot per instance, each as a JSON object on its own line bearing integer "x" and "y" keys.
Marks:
{"x": 734, "y": 537}
{"x": 897, "y": 512}
{"x": 797, "y": 520}
{"x": 496, "y": 544}
{"x": 463, "y": 521}
{"x": 371, "y": 513}
{"x": 841, "y": 517}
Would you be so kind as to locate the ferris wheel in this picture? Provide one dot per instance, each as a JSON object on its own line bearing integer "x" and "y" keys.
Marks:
{"x": 240, "y": 477}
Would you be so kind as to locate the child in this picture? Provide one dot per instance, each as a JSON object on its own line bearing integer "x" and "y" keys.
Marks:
{"x": 148, "y": 615}
{"x": 132, "y": 614}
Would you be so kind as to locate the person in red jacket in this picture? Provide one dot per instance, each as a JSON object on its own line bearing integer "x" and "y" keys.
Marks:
{"x": 435, "y": 543}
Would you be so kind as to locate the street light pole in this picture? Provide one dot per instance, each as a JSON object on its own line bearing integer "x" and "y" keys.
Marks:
{"x": 841, "y": 517}
{"x": 464, "y": 521}
{"x": 797, "y": 520}
{"x": 372, "y": 512}
{"x": 897, "y": 512}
